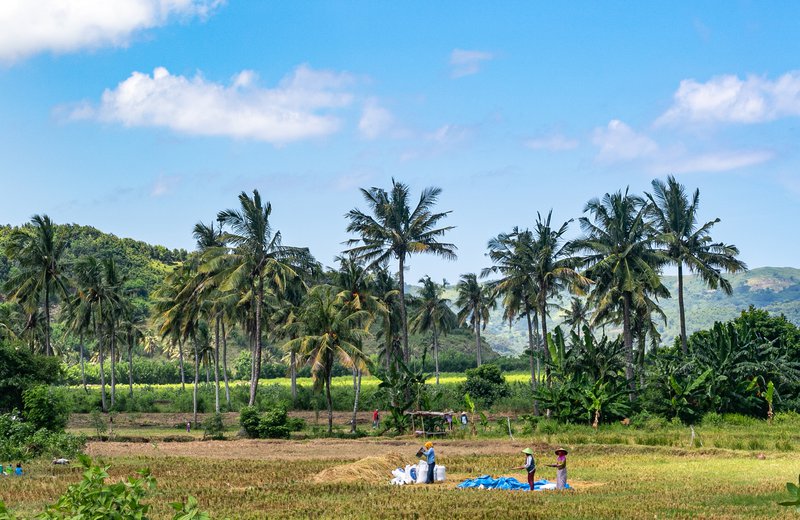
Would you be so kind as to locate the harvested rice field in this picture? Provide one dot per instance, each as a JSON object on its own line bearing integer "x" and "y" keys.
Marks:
{"x": 333, "y": 478}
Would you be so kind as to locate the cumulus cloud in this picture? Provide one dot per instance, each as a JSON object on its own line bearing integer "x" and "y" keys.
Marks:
{"x": 465, "y": 63}
{"x": 28, "y": 27}
{"x": 297, "y": 108}
{"x": 619, "y": 142}
{"x": 375, "y": 120}
{"x": 729, "y": 99}
{"x": 553, "y": 143}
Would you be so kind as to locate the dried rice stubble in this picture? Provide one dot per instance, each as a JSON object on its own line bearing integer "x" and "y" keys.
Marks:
{"x": 368, "y": 469}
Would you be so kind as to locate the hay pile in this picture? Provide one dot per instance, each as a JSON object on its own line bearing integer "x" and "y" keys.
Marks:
{"x": 369, "y": 469}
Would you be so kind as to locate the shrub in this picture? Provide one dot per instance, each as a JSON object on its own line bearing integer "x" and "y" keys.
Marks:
{"x": 712, "y": 419}
{"x": 486, "y": 383}
{"x": 21, "y": 440}
{"x": 249, "y": 420}
{"x": 272, "y": 425}
{"x": 214, "y": 427}
{"x": 46, "y": 407}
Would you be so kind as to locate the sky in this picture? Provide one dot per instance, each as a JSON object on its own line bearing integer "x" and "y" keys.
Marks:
{"x": 143, "y": 117}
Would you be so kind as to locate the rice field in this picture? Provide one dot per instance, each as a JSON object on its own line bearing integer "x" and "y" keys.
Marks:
{"x": 323, "y": 478}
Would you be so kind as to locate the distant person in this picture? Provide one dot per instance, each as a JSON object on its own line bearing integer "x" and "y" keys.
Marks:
{"x": 376, "y": 419}
{"x": 188, "y": 426}
{"x": 448, "y": 418}
{"x": 18, "y": 469}
{"x": 561, "y": 468}
{"x": 529, "y": 466}
{"x": 429, "y": 453}
{"x": 464, "y": 420}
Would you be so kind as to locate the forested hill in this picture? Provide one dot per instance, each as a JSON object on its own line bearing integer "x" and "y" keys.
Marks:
{"x": 775, "y": 289}
{"x": 143, "y": 265}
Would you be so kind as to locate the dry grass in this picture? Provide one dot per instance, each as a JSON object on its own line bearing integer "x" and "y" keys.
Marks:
{"x": 368, "y": 469}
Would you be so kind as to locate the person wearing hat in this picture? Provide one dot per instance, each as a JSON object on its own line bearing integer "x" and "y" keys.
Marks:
{"x": 529, "y": 466}
{"x": 428, "y": 452}
{"x": 561, "y": 468}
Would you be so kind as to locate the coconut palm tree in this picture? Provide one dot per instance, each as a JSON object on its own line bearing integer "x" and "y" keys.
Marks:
{"x": 620, "y": 259}
{"x": 37, "y": 249}
{"x": 433, "y": 315}
{"x": 393, "y": 230}
{"x": 675, "y": 219}
{"x": 513, "y": 256}
{"x": 577, "y": 315}
{"x": 554, "y": 265}
{"x": 256, "y": 260}
{"x": 330, "y": 329}
{"x": 474, "y": 302}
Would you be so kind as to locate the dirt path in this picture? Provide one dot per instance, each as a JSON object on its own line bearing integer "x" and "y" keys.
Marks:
{"x": 318, "y": 449}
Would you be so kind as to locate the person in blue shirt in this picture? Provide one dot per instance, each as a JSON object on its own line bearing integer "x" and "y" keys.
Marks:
{"x": 18, "y": 469}
{"x": 429, "y": 453}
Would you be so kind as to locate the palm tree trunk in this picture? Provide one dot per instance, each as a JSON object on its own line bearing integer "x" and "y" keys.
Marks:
{"x": 83, "y": 366}
{"x": 681, "y": 310}
{"x": 225, "y": 365}
{"x": 534, "y": 382}
{"x": 113, "y": 365}
{"x": 401, "y": 274}
{"x": 543, "y": 314}
{"x": 102, "y": 368}
{"x": 47, "y": 347}
{"x": 293, "y": 374}
{"x": 196, "y": 381}
{"x": 257, "y": 356}
{"x": 628, "y": 339}
{"x": 130, "y": 367}
{"x": 436, "y": 352}
{"x": 329, "y": 400}
{"x": 478, "y": 335}
{"x": 216, "y": 364}
{"x": 206, "y": 362}
{"x": 642, "y": 343}
{"x": 355, "y": 402}
{"x": 180, "y": 362}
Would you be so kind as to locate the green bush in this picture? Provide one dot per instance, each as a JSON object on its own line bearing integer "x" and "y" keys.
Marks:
{"x": 250, "y": 420}
{"x": 214, "y": 427}
{"x": 274, "y": 424}
{"x": 20, "y": 370}
{"x": 46, "y": 407}
{"x": 21, "y": 440}
{"x": 712, "y": 419}
{"x": 486, "y": 384}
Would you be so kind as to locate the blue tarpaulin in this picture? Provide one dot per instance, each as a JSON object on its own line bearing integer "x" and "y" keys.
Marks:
{"x": 487, "y": 482}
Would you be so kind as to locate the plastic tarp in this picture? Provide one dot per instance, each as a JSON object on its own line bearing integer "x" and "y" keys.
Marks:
{"x": 487, "y": 482}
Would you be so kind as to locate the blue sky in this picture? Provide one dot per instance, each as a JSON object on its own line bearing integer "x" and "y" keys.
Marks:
{"x": 141, "y": 117}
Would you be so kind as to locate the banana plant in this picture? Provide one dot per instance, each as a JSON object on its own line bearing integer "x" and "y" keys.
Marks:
{"x": 793, "y": 490}
{"x": 685, "y": 397}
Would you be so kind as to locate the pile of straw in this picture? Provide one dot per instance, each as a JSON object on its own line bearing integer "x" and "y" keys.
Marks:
{"x": 369, "y": 469}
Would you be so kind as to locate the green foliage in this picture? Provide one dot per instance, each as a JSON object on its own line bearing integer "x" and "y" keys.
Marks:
{"x": 98, "y": 421}
{"x": 93, "y": 499}
{"x": 486, "y": 383}
{"x": 402, "y": 388}
{"x": 46, "y": 407}
{"x": 21, "y": 440}
{"x": 19, "y": 370}
{"x": 274, "y": 424}
{"x": 214, "y": 427}
{"x": 794, "y": 491}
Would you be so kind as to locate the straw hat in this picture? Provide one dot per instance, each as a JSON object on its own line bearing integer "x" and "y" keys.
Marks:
{"x": 561, "y": 450}
{"x": 528, "y": 451}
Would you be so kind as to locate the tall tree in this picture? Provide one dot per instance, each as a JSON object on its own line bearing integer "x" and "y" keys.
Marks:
{"x": 577, "y": 315}
{"x": 38, "y": 251}
{"x": 257, "y": 258}
{"x": 620, "y": 259}
{"x": 474, "y": 302}
{"x": 675, "y": 219}
{"x": 433, "y": 315}
{"x": 330, "y": 329}
{"x": 513, "y": 255}
{"x": 393, "y": 229}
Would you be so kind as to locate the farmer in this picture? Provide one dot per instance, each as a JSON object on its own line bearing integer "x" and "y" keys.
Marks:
{"x": 529, "y": 466}
{"x": 188, "y": 427}
{"x": 18, "y": 469}
{"x": 561, "y": 468}
{"x": 428, "y": 452}
{"x": 464, "y": 420}
{"x": 375, "y": 418}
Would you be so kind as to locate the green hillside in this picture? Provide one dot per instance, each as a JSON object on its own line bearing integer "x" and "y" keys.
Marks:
{"x": 775, "y": 289}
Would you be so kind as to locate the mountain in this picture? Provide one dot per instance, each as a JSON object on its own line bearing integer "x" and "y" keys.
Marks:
{"x": 775, "y": 289}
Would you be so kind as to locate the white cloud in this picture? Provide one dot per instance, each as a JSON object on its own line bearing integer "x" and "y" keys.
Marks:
{"x": 618, "y": 142}
{"x": 465, "y": 63}
{"x": 28, "y": 27}
{"x": 298, "y": 108}
{"x": 553, "y": 143}
{"x": 164, "y": 185}
{"x": 375, "y": 120}
{"x": 712, "y": 162}
{"x": 728, "y": 99}
{"x": 450, "y": 134}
